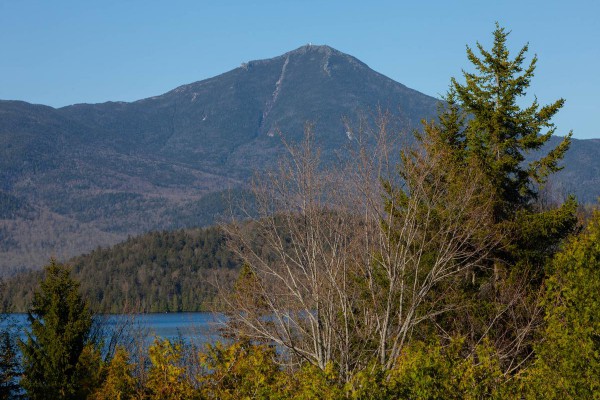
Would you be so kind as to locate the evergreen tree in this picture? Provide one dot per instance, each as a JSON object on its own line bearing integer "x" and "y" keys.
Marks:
{"x": 497, "y": 136}
{"x": 500, "y": 132}
{"x": 568, "y": 359}
{"x": 482, "y": 129}
{"x": 9, "y": 365}
{"x": 60, "y": 323}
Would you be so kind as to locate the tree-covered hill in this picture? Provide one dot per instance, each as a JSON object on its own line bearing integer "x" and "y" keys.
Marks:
{"x": 156, "y": 272}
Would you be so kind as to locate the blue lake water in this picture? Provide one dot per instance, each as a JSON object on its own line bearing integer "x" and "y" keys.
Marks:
{"x": 196, "y": 327}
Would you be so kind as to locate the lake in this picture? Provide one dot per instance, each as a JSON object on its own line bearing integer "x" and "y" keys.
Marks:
{"x": 197, "y": 327}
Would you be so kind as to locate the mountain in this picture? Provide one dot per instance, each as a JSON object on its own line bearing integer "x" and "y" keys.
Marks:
{"x": 228, "y": 124}
{"x": 581, "y": 173}
{"x": 89, "y": 175}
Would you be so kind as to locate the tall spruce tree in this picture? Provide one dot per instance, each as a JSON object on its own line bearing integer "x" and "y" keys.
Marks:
{"x": 482, "y": 128}
{"x": 500, "y": 132}
{"x": 60, "y": 330}
{"x": 497, "y": 135}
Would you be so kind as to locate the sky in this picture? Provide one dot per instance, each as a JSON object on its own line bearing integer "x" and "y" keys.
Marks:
{"x": 65, "y": 52}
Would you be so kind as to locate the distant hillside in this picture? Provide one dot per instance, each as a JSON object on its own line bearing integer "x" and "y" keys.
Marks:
{"x": 581, "y": 175}
{"x": 89, "y": 175}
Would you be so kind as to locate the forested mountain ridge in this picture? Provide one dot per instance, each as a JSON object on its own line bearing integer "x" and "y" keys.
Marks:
{"x": 89, "y": 175}
{"x": 92, "y": 174}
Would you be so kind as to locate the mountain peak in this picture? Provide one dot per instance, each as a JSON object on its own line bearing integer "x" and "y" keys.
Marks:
{"x": 319, "y": 48}
{"x": 312, "y": 51}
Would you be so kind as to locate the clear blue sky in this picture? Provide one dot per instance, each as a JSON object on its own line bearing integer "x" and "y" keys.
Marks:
{"x": 64, "y": 52}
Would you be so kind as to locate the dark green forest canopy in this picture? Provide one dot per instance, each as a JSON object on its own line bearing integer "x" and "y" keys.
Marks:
{"x": 165, "y": 271}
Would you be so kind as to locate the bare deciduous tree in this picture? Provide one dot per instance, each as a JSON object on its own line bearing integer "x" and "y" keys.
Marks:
{"x": 344, "y": 262}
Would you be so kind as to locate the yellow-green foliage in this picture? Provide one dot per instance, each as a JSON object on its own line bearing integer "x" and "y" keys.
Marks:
{"x": 246, "y": 371}
{"x": 119, "y": 383}
{"x": 239, "y": 371}
{"x": 568, "y": 356}
{"x": 312, "y": 383}
{"x": 433, "y": 371}
{"x": 167, "y": 378}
